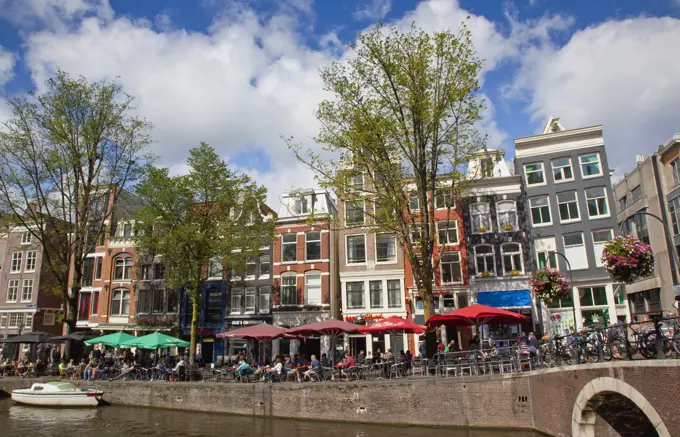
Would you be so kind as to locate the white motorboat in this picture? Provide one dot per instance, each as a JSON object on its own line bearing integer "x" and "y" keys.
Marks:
{"x": 57, "y": 394}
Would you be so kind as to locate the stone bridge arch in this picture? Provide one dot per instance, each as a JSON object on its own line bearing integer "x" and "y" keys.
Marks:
{"x": 620, "y": 405}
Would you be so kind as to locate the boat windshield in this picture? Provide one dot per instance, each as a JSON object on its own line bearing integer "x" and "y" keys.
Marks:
{"x": 61, "y": 385}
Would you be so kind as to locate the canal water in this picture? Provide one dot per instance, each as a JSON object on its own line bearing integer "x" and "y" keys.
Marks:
{"x": 117, "y": 421}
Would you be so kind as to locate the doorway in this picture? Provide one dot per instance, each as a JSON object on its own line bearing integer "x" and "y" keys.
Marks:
{"x": 207, "y": 347}
{"x": 311, "y": 346}
{"x": 356, "y": 345}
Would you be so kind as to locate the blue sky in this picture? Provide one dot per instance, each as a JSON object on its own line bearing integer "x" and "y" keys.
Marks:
{"x": 239, "y": 74}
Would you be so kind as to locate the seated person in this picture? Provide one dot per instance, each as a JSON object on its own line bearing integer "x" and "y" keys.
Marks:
{"x": 314, "y": 369}
{"x": 324, "y": 360}
{"x": 361, "y": 358}
{"x": 180, "y": 363}
{"x": 63, "y": 369}
{"x": 348, "y": 365}
{"x": 276, "y": 370}
{"x": 243, "y": 369}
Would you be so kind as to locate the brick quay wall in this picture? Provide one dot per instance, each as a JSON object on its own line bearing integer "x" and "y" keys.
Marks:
{"x": 541, "y": 400}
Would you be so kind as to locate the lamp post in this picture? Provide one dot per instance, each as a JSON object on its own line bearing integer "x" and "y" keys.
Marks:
{"x": 546, "y": 280}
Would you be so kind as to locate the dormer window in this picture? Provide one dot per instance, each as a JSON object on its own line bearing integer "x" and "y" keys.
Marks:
{"x": 301, "y": 206}
{"x": 127, "y": 230}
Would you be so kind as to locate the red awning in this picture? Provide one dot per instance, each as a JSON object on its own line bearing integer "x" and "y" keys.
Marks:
{"x": 477, "y": 314}
{"x": 392, "y": 325}
{"x": 263, "y": 331}
{"x": 333, "y": 328}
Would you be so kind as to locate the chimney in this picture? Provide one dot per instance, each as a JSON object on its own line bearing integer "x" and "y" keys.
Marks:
{"x": 639, "y": 158}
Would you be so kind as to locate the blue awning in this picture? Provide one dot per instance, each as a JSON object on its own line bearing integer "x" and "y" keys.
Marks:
{"x": 505, "y": 299}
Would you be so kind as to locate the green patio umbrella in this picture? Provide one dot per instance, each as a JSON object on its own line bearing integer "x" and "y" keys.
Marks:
{"x": 113, "y": 340}
{"x": 154, "y": 341}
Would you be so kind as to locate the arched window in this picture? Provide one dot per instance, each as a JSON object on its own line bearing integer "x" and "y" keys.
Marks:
{"x": 122, "y": 270}
{"x": 120, "y": 302}
{"x": 512, "y": 258}
{"x": 506, "y": 211}
{"x": 484, "y": 259}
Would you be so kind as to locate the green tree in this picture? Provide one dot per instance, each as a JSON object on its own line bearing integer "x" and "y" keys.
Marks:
{"x": 66, "y": 154}
{"x": 402, "y": 114}
{"x": 190, "y": 220}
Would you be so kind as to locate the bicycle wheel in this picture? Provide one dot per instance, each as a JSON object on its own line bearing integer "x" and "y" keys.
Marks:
{"x": 613, "y": 349}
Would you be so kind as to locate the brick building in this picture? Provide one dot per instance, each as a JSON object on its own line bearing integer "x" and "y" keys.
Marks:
{"x": 304, "y": 266}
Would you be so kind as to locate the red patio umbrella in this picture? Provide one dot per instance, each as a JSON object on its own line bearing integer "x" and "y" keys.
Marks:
{"x": 332, "y": 328}
{"x": 263, "y": 331}
{"x": 392, "y": 325}
{"x": 476, "y": 314}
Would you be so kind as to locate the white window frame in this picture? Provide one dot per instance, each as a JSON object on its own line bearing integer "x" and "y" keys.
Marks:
{"x": 413, "y": 197}
{"x": 442, "y": 262}
{"x": 288, "y": 276}
{"x": 450, "y": 225}
{"x": 390, "y": 303}
{"x": 362, "y": 294}
{"x": 560, "y": 169}
{"x": 583, "y": 244}
{"x": 125, "y": 268}
{"x": 303, "y": 206}
{"x": 521, "y": 258}
{"x": 3, "y": 320}
{"x": 416, "y": 234}
{"x": 598, "y": 246}
{"x": 268, "y": 263}
{"x": 513, "y": 210}
{"x": 353, "y": 183}
{"x": 250, "y": 292}
{"x": 307, "y": 241}
{"x": 474, "y": 213}
{"x": 526, "y": 174}
{"x": 13, "y": 284}
{"x": 531, "y": 213}
{"x": 347, "y": 261}
{"x": 674, "y": 210}
{"x": 394, "y": 240}
{"x": 546, "y": 246}
{"x": 26, "y": 237}
{"x": 32, "y": 258}
{"x": 27, "y": 285}
{"x": 16, "y": 261}
{"x": 493, "y": 260}
{"x": 308, "y": 275}
{"x": 18, "y": 320}
{"x": 264, "y": 293}
{"x": 121, "y": 300}
{"x": 581, "y": 163}
{"x": 380, "y": 293}
{"x": 578, "y": 207}
{"x": 445, "y": 198}
{"x": 236, "y": 296}
{"x": 362, "y": 206}
{"x": 283, "y": 247}
{"x": 606, "y": 201}
{"x": 28, "y": 321}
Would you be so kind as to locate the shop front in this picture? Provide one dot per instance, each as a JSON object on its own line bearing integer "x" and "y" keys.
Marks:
{"x": 518, "y": 301}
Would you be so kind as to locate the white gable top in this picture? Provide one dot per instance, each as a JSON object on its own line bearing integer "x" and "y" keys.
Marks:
{"x": 560, "y": 141}
{"x": 553, "y": 125}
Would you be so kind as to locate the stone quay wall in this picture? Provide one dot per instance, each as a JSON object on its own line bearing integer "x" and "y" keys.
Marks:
{"x": 542, "y": 400}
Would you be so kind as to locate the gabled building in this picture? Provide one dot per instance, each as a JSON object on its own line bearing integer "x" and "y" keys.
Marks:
{"x": 499, "y": 243}
{"x": 570, "y": 201}
{"x": 304, "y": 266}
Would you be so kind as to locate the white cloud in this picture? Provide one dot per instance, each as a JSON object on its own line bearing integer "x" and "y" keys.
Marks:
{"x": 622, "y": 74}
{"x": 375, "y": 10}
{"x": 6, "y": 65}
{"x": 54, "y": 14}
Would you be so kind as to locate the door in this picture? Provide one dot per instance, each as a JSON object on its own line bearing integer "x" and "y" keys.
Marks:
{"x": 356, "y": 345}
{"x": 207, "y": 350}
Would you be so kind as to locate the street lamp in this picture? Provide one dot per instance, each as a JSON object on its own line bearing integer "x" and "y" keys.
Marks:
{"x": 546, "y": 280}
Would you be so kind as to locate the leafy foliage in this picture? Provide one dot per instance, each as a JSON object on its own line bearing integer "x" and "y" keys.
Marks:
{"x": 555, "y": 287}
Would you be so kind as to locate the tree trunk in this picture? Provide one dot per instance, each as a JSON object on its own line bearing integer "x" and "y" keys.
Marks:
{"x": 70, "y": 317}
{"x": 428, "y": 308}
{"x": 195, "y": 306}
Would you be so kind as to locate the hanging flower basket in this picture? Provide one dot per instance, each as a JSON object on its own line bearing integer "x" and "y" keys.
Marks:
{"x": 627, "y": 259}
{"x": 549, "y": 285}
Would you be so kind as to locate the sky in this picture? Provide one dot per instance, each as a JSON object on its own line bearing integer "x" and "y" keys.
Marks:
{"x": 241, "y": 75}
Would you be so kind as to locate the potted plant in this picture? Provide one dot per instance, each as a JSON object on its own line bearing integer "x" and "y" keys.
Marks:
{"x": 485, "y": 274}
{"x": 549, "y": 285}
{"x": 481, "y": 229}
{"x": 514, "y": 272}
{"x": 507, "y": 227}
{"x": 627, "y": 259}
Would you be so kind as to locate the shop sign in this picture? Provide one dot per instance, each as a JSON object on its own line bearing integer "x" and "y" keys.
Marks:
{"x": 204, "y": 331}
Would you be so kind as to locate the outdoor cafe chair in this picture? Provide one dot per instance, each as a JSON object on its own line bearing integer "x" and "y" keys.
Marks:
{"x": 417, "y": 367}
{"x": 450, "y": 365}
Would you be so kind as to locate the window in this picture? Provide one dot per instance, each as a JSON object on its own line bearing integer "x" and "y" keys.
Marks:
{"x": 236, "y": 297}
{"x": 647, "y": 301}
{"x": 599, "y": 239}
{"x": 31, "y": 256}
{"x": 481, "y": 217}
{"x": 98, "y": 262}
{"x": 94, "y": 306}
{"x": 213, "y": 307}
{"x": 575, "y": 251}
{"x": 635, "y": 194}
{"x": 354, "y": 213}
{"x": 289, "y": 247}
{"x": 562, "y": 170}
{"x": 623, "y": 203}
{"x": 313, "y": 246}
{"x": 506, "y": 211}
{"x": 120, "y": 303}
{"x": 450, "y": 268}
{"x": 127, "y": 230}
{"x": 674, "y": 208}
{"x": 484, "y": 260}
{"x": 619, "y": 294}
{"x": 393, "y": 293}
{"x": 356, "y": 249}
{"x": 215, "y": 267}
{"x": 313, "y": 289}
{"x": 251, "y": 298}
{"x": 375, "y": 288}
{"x": 540, "y": 210}
{"x": 534, "y": 173}
{"x": 123, "y": 269}
{"x": 15, "y": 266}
{"x": 565, "y": 302}
{"x": 16, "y": 320}
{"x": 251, "y": 267}
{"x": 264, "y": 296}
{"x": 444, "y": 200}
{"x": 26, "y": 237}
{"x": 447, "y": 232}
{"x": 12, "y": 290}
{"x": 386, "y": 248}
{"x": 590, "y": 165}
{"x": 512, "y": 258}
{"x": 355, "y": 294}
{"x": 301, "y": 206}
{"x": 597, "y": 202}
{"x": 546, "y": 259}
{"x": 675, "y": 169}
{"x": 416, "y": 234}
{"x": 159, "y": 271}
{"x": 28, "y": 323}
{"x": 27, "y": 290}
{"x": 413, "y": 201}
{"x": 592, "y": 296}
{"x": 567, "y": 203}
{"x": 264, "y": 266}
{"x": 356, "y": 182}
{"x": 288, "y": 290}
{"x": 3, "y": 321}
{"x": 146, "y": 272}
